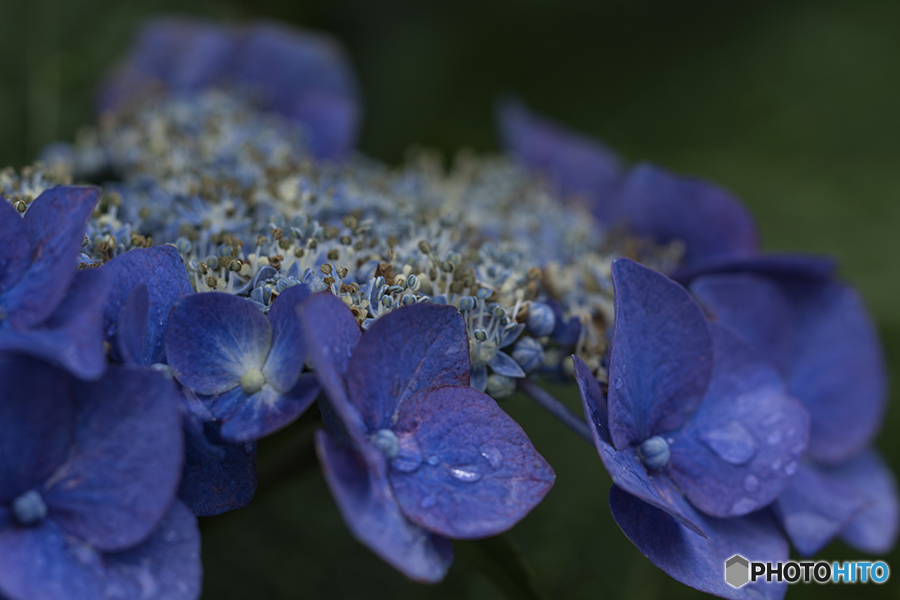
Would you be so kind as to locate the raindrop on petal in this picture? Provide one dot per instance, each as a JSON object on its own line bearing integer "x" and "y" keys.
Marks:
{"x": 465, "y": 473}
{"x": 743, "y": 506}
{"x": 733, "y": 443}
{"x": 751, "y": 483}
{"x": 618, "y": 383}
{"x": 493, "y": 456}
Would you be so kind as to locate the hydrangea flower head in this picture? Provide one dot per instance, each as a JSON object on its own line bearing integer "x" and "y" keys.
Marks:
{"x": 421, "y": 456}
{"x": 48, "y": 310}
{"x": 247, "y": 364}
{"x": 87, "y": 487}
{"x": 817, "y": 332}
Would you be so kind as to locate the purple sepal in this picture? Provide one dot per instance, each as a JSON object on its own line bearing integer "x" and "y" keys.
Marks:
{"x": 72, "y": 337}
{"x": 288, "y": 353}
{"x": 125, "y": 462}
{"x": 712, "y": 223}
{"x": 661, "y": 357}
{"x": 743, "y": 445}
{"x": 816, "y": 507}
{"x": 15, "y": 247}
{"x": 36, "y": 424}
{"x": 131, "y": 329}
{"x": 698, "y": 562}
{"x": 470, "y": 472}
{"x": 55, "y": 224}
{"x": 214, "y": 338}
{"x": 624, "y": 466}
{"x": 373, "y": 515}
{"x": 162, "y": 270}
{"x": 874, "y": 529}
{"x": 778, "y": 266}
{"x": 250, "y": 417}
{"x": 219, "y": 476}
{"x": 407, "y": 350}
{"x": 44, "y": 562}
{"x": 575, "y": 164}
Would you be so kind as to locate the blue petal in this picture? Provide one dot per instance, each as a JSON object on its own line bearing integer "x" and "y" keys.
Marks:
{"x": 214, "y": 338}
{"x": 162, "y": 270}
{"x": 838, "y": 371}
{"x": 332, "y": 335}
{"x": 165, "y": 567}
{"x": 288, "y": 353}
{"x": 777, "y": 266}
{"x": 72, "y": 337}
{"x": 698, "y": 562}
{"x": 504, "y": 364}
{"x": 741, "y": 448}
{"x": 37, "y": 424}
{"x": 576, "y": 164}
{"x": 131, "y": 330}
{"x": 478, "y": 377}
{"x": 479, "y": 473}
{"x": 816, "y": 507}
{"x": 661, "y": 357}
{"x": 712, "y": 223}
{"x": 370, "y": 510}
{"x": 874, "y": 530}
{"x": 754, "y": 307}
{"x": 624, "y": 466}
{"x": 125, "y": 463}
{"x": 212, "y": 485}
{"x": 15, "y": 247}
{"x": 405, "y": 351}
{"x": 267, "y": 411}
{"x": 55, "y": 222}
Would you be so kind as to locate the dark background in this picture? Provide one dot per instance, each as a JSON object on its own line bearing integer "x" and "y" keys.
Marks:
{"x": 793, "y": 105}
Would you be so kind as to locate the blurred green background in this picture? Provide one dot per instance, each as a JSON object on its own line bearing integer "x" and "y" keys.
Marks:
{"x": 791, "y": 104}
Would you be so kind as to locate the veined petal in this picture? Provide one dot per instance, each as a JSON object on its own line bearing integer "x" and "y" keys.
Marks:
{"x": 874, "y": 529}
{"x": 15, "y": 246}
{"x": 288, "y": 352}
{"x": 267, "y": 411}
{"x": 55, "y": 222}
{"x": 698, "y": 562}
{"x": 408, "y": 350}
{"x": 373, "y": 515}
{"x": 479, "y": 473}
{"x": 743, "y": 445}
{"x": 131, "y": 329}
{"x": 661, "y": 357}
{"x": 37, "y": 424}
{"x": 123, "y": 470}
{"x": 214, "y": 339}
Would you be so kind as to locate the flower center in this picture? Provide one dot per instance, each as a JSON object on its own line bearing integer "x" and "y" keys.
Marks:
{"x": 386, "y": 441}
{"x": 654, "y": 453}
{"x": 29, "y": 508}
{"x": 253, "y": 381}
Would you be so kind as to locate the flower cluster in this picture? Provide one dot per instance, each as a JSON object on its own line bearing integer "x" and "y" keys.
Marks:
{"x": 242, "y": 264}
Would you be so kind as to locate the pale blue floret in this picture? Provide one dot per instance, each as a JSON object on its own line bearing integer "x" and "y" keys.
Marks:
{"x": 29, "y": 508}
{"x": 529, "y": 353}
{"x": 654, "y": 453}
{"x": 386, "y": 441}
{"x": 541, "y": 320}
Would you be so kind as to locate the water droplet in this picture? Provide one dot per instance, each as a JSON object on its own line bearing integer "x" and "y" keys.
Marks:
{"x": 774, "y": 438}
{"x": 493, "y": 456}
{"x": 790, "y": 468}
{"x": 465, "y": 473}
{"x": 776, "y": 464}
{"x": 171, "y": 536}
{"x": 434, "y": 461}
{"x": 751, "y": 483}
{"x": 618, "y": 383}
{"x": 743, "y": 506}
{"x": 733, "y": 443}
{"x": 429, "y": 501}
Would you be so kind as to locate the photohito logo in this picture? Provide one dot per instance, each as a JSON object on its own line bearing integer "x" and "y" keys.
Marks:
{"x": 739, "y": 571}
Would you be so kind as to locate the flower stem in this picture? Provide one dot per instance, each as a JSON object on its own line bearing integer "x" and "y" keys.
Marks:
{"x": 556, "y": 408}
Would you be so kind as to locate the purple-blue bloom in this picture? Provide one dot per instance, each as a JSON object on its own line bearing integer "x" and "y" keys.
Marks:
{"x": 47, "y": 309}
{"x": 647, "y": 199}
{"x": 302, "y": 76}
{"x": 414, "y": 455}
{"x": 248, "y": 366}
{"x": 88, "y": 476}
{"x": 819, "y": 335}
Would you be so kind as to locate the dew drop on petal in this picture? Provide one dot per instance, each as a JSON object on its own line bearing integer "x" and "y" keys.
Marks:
{"x": 776, "y": 464}
{"x": 429, "y": 501}
{"x": 618, "y": 383}
{"x": 466, "y": 473}
{"x": 774, "y": 438}
{"x": 790, "y": 468}
{"x": 751, "y": 483}
{"x": 433, "y": 461}
{"x": 493, "y": 456}
{"x": 171, "y": 536}
{"x": 732, "y": 443}
{"x": 743, "y": 506}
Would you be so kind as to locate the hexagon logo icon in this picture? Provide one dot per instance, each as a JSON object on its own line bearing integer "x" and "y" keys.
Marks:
{"x": 737, "y": 571}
